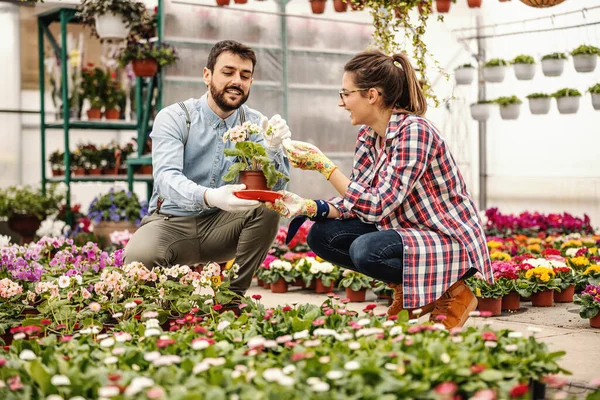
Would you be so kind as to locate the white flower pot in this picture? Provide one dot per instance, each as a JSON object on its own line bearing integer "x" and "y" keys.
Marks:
{"x": 481, "y": 112}
{"x": 111, "y": 26}
{"x": 494, "y": 74}
{"x": 524, "y": 72}
{"x": 464, "y": 76}
{"x": 596, "y": 100}
{"x": 540, "y": 105}
{"x": 585, "y": 62}
{"x": 568, "y": 105}
{"x": 511, "y": 111}
{"x": 553, "y": 67}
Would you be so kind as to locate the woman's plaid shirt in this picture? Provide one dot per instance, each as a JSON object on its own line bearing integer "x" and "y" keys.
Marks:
{"x": 415, "y": 188}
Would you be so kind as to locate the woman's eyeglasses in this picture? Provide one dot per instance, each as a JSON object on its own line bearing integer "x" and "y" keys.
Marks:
{"x": 344, "y": 92}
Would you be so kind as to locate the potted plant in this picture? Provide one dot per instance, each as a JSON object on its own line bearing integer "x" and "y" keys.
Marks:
{"x": 474, "y": 3}
{"x": 147, "y": 57}
{"x": 317, "y": 6}
{"x": 567, "y": 100}
{"x": 510, "y": 107}
{"x": 524, "y": 66}
{"x": 57, "y": 162}
{"x": 256, "y": 170}
{"x": 543, "y": 282}
{"x": 91, "y": 154}
{"x": 505, "y": 277}
{"x": 325, "y": 275}
{"x": 553, "y": 64}
{"x": 340, "y": 5}
{"x": 539, "y": 103}
{"x": 595, "y": 93}
{"x": 465, "y": 74}
{"x": 443, "y": 6}
{"x": 589, "y": 302}
{"x": 566, "y": 288}
{"x": 78, "y": 162}
{"x": 356, "y": 285}
{"x": 113, "y": 99}
{"x": 280, "y": 275}
{"x": 585, "y": 58}
{"x": 494, "y": 70}
{"x": 489, "y": 296}
{"x": 116, "y": 211}
{"x": 93, "y": 86}
{"x": 110, "y": 19}
{"x": 480, "y": 111}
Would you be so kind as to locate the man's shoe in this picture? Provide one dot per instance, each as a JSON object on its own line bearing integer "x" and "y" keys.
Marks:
{"x": 453, "y": 307}
{"x": 398, "y": 303}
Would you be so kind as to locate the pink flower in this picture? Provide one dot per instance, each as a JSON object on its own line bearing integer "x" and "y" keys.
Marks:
{"x": 155, "y": 393}
{"x": 484, "y": 394}
{"x": 489, "y": 336}
{"x": 446, "y": 388}
{"x": 256, "y": 296}
{"x": 318, "y": 322}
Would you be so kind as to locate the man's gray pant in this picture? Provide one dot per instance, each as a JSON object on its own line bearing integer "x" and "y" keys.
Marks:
{"x": 218, "y": 237}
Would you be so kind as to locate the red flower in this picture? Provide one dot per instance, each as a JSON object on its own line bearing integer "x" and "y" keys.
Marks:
{"x": 286, "y": 308}
{"x": 446, "y": 388}
{"x": 66, "y": 338}
{"x": 550, "y": 252}
{"x": 217, "y": 307}
{"x": 477, "y": 368}
{"x": 370, "y": 307}
{"x": 200, "y": 329}
{"x": 491, "y": 336}
{"x": 519, "y": 390}
{"x": 164, "y": 342}
{"x": 137, "y": 301}
{"x": 45, "y": 321}
{"x": 256, "y": 296}
{"x": 297, "y": 356}
{"x": 318, "y": 322}
{"x": 114, "y": 377}
{"x": 2, "y": 362}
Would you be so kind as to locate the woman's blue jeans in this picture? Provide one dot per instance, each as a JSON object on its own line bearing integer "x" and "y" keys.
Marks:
{"x": 358, "y": 246}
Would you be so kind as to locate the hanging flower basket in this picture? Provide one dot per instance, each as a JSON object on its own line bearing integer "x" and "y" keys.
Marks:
{"x": 596, "y": 101}
{"x": 494, "y": 74}
{"x": 145, "y": 68}
{"x": 585, "y": 62}
{"x": 111, "y": 26}
{"x": 541, "y": 3}
{"x": 510, "y": 112}
{"x": 553, "y": 66}
{"x": 540, "y": 105}
{"x": 317, "y": 6}
{"x": 524, "y": 72}
{"x": 481, "y": 111}
{"x": 464, "y": 75}
{"x": 567, "y": 105}
{"x": 442, "y": 6}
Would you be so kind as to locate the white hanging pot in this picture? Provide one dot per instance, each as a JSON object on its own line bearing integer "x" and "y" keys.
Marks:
{"x": 494, "y": 74}
{"x": 596, "y": 100}
{"x": 111, "y": 26}
{"x": 553, "y": 66}
{"x": 511, "y": 111}
{"x": 524, "y": 72}
{"x": 481, "y": 111}
{"x": 585, "y": 62}
{"x": 540, "y": 105}
{"x": 568, "y": 105}
{"x": 464, "y": 76}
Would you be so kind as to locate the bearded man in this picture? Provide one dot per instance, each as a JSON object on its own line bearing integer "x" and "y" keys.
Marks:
{"x": 194, "y": 216}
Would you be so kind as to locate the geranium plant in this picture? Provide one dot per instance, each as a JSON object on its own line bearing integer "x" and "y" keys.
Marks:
{"x": 57, "y": 160}
{"x": 94, "y": 85}
{"x": 117, "y": 206}
{"x": 355, "y": 280}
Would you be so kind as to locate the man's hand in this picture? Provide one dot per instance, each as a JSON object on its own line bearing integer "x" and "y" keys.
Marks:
{"x": 308, "y": 157}
{"x": 224, "y": 199}
{"x": 291, "y": 205}
{"x": 275, "y": 131}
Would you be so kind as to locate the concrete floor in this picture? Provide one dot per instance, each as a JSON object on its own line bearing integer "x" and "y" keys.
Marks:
{"x": 561, "y": 327}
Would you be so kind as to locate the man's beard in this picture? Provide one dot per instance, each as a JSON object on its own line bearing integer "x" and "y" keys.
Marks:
{"x": 224, "y": 103}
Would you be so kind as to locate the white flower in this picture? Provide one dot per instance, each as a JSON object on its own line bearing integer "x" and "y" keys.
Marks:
{"x": 54, "y": 397}
{"x": 207, "y": 302}
{"x": 272, "y": 374}
{"x": 457, "y": 339}
{"x": 77, "y": 398}
{"x": 474, "y": 314}
{"x": 117, "y": 315}
{"x": 312, "y": 343}
{"x": 490, "y": 344}
{"x": 324, "y": 332}
{"x": 60, "y": 380}
{"x": 320, "y": 387}
{"x": 19, "y": 336}
{"x": 387, "y": 324}
{"x": 312, "y": 380}
{"x": 515, "y": 334}
{"x": 130, "y": 305}
{"x": 354, "y": 345}
{"x": 108, "y": 391}
{"x": 269, "y": 344}
{"x": 351, "y": 365}
{"x": 511, "y": 347}
{"x": 200, "y": 367}
{"x": 390, "y": 366}
{"x": 153, "y": 355}
{"x": 111, "y": 360}
{"x": 445, "y": 358}
{"x": 152, "y": 323}
{"x": 368, "y": 332}
{"x": 118, "y": 351}
{"x": 152, "y": 332}
{"x": 27, "y": 355}
{"x": 123, "y": 337}
{"x": 109, "y": 342}
{"x": 222, "y": 325}
{"x": 395, "y": 331}
{"x": 324, "y": 359}
{"x": 4, "y": 241}
{"x": 285, "y": 380}
{"x": 364, "y": 321}
{"x": 334, "y": 374}
{"x": 256, "y": 341}
{"x": 64, "y": 281}
{"x": 199, "y": 344}
{"x": 288, "y": 338}
{"x": 149, "y": 314}
{"x": 166, "y": 360}
{"x": 288, "y": 369}
{"x": 138, "y": 384}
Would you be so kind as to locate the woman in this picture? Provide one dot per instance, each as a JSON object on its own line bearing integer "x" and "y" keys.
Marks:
{"x": 404, "y": 216}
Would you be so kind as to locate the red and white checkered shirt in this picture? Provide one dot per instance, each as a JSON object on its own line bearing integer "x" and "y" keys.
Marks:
{"x": 415, "y": 188}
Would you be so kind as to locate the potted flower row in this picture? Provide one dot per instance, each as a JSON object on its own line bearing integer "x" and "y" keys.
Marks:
{"x": 567, "y": 101}
{"x": 105, "y": 94}
{"x": 510, "y": 108}
{"x": 88, "y": 159}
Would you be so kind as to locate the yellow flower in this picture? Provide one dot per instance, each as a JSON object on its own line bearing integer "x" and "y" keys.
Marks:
{"x": 580, "y": 261}
{"x": 534, "y": 241}
{"x": 545, "y": 277}
{"x": 592, "y": 269}
{"x": 493, "y": 244}
{"x": 536, "y": 248}
{"x": 319, "y": 259}
{"x": 498, "y": 255}
{"x": 75, "y": 57}
{"x": 571, "y": 243}
{"x": 593, "y": 250}
{"x": 229, "y": 264}
{"x": 215, "y": 280}
{"x": 478, "y": 292}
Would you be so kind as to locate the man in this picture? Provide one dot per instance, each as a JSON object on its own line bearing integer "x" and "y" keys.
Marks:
{"x": 194, "y": 216}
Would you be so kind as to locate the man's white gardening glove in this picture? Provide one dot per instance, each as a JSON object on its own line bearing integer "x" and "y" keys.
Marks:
{"x": 275, "y": 131}
{"x": 223, "y": 198}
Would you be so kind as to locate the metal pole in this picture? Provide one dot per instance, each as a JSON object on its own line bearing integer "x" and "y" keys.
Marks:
{"x": 159, "y": 77}
{"x": 284, "y": 56}
{"x": 482, "y": 124}
{"x": 42, "y": 101}
{"x": 65, "y": 107}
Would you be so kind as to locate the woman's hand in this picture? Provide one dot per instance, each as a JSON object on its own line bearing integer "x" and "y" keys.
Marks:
{"x": 291, "y": 205}
{"x": 308, "y": 157}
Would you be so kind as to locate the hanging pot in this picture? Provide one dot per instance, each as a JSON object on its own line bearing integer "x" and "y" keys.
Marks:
{"x": 585, "y": 62}
{"x": 553, "y": 66}
{"x": 442, "y": 6}
{"x": 147, "y": 67}
{"x": 464, "y": 76}
{"x": 481, "y": 112}
{"x": 540, "y": 105}
{"x": 541, "y": 3}
{"x": 524, "y": 72}
{"x": 340, "y": 6}
{"x": 568, "y": 105}
{"x": 111, "y": 26}
{"x": 494, "y": 74}
{"x": 474, "y": 3}
{"x": 317, "y": 6}
{"x": 596, "y": 101}
{"x": 254, "y": 180}
{"x": 510, "y": 112}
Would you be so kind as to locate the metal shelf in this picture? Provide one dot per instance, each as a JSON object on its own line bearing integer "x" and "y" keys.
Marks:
{"x": 100, "y": 178}
{"x": 108, "y": 125}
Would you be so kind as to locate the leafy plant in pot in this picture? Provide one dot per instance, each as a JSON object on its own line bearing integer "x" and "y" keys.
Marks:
{"x": 510, "y": 107}
{"x": 494, "y": 70}
{"x": 114, "y": 97}
{"x": 356, "y": 285}
{"x": 524, "y": 66}
{"x": 567, "y": 100}
{"x": 57, "y": 162}
{"x": 147, "y": 57}
{"x": 553, "y": 64}
{"x": 480, "y": 111}
{"x": 465, "y": 74}
{"x": 93, "y": 86}
{"x": 110, "y": 19}
{"x": 585, "y": 58}
{"x": 589, "y": 302}
{"x": 539, "y": 103}
{"x": 254, "y": 167}
{"x": 595, "y": 93}
{"x": 489, "y": 295}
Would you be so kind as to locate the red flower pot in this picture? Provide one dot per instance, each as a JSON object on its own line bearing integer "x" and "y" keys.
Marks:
{"x": 57, "y": 172}
{"x": 94, "y": 113}
{"x": 95, "y": 171}
{"x": 298, "y": 282}
{"x": 595, "y": 322}
{"x": 254, "y": 180}
{"x": 240, "y": 1}
{"x": 565, "y": 296}
{"x": 442, "y": 6}
{"x": 317, "y": 6}
{"x": 474, "y": 3}
{"x": 260, "y": 282}
{"x": 266, "y": 285}
{"x": 79, "y": 171}
{"x": 511, "y": 301}
{"x": 222, "y": 2}
{"x": 281, "y": 286}
{"x": 492, "y": 305}
{"x": 356, "y": 296}
{"x": 112, "y": 114}
{"x": 340, "y": 6}
{"x": 543, "y": 299}
{"x": 320, "y": 288}
{"x": 25, "y": 225}
{"x": 147, "y": 67}
{"x": 145, "y": 170}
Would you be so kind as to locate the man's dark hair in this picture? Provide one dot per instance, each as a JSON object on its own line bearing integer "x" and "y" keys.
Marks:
{"x": 237, "y": 48}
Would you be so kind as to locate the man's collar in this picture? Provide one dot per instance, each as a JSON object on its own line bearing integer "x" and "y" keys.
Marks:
{"x": 213, "y": 119}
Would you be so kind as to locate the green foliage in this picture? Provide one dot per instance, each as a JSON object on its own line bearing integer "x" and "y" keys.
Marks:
{"x": 162, "y": 53}
{"x": 485, "y": 102}
{"x": 28, "y": 200}
{"x": 252, "y": 156}
{"x": 505, "y": 101}
{"x": 132, "y": 11}
{"x": 94, "y": 84}
{"x": 523, "y": 59}
{"x": 57, "y": 159}
{"x": 566, "y": 92}
{"x": 594, "y": 89}
{"x": 495, "y": 62}
{"x": 355, "y": 280}
{"x": 555, "y": 56}
{"x": 585, "y": 50}
{"x": 114, "y": 96}
{"x": 589, "y": 306}
{"x": 485, "y": 290}
{"x": 467, "y": 65}
{"x": 116, "y": 206}
{"x": 538, "y": 96}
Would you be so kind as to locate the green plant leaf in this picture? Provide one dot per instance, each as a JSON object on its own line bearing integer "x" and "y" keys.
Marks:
{"x": 234, "y": 171}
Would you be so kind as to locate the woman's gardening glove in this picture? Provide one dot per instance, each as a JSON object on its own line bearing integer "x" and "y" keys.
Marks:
{"x": 293, "y": 206}
{"x": 307, "y": 156}
{"x": 275, "y": 131}
{"x": 223, "y": 198}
